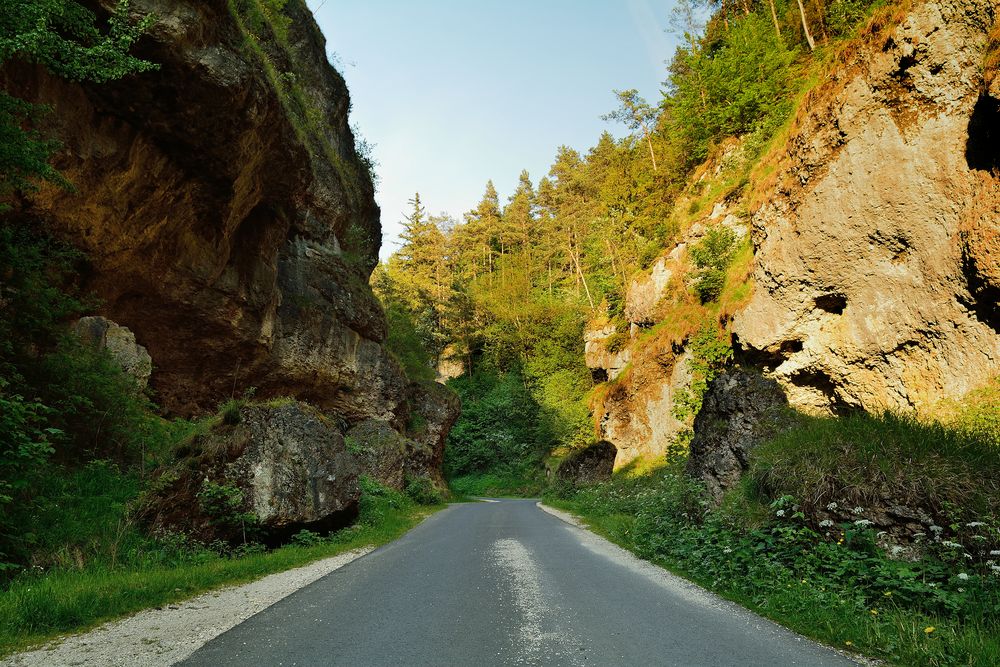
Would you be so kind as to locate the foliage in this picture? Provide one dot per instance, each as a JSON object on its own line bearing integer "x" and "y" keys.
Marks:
{"x": 499, "y": 427}
{"x": 223, "y": 505}
{"x": 877, "y": 461}
{"x": 711, "y": 350}
{"x": 837, "y": 587}
{"x": 64, "y": 37}
{"x": 41, "y": 604}
{"x": 712, "y": 255}
{"x": 422, "y": 491}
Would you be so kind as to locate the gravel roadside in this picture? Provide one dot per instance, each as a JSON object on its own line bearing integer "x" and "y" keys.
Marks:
{"x": 167, "y": 635}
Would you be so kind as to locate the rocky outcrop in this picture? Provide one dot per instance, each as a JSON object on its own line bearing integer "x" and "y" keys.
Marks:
{"x": 278, "y": 470}
{"x": 381, "y": 452}
{"x": 740, "y": 410}
{"x": 606, "y": 352}
{"x": 435, "y": 409}
{"x": 876, "y": 279}
{"x": 590, "y": 465}
{"x": 226, "y": 216}
{"x": 120, "y": 343}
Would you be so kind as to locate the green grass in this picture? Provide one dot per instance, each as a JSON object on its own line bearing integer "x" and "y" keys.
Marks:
{"x": 514, "y": 484}
{"x": 38, "y": 607}
{"x": 765, "y": 549}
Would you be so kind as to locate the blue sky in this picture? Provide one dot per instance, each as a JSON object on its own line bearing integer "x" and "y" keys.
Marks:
{"x": 455, "y": 92}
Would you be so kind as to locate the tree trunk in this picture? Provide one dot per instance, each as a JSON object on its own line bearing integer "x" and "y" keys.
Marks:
{"x": 805, "y": 26}
{"x": 774, "y": 17}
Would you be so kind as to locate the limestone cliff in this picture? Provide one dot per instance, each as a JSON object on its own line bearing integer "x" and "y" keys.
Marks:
{"x": 874, "y": 285}
{"x": 227, "y": 217}
{"x": 874, "y": 279}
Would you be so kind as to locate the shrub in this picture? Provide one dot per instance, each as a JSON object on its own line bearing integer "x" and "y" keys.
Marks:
{"x": 422, "y": 491}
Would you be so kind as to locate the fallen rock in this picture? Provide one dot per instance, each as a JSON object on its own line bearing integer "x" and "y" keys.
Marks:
{"x": 590, "y": 465}
{"x": 740, "y": 410}
{"x": 281, "y": 469}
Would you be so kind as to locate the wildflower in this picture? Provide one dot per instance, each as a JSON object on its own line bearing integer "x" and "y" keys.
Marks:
{"x": 995, "y": 553}
{"x": 951, "y": 545}
{"x": 803, "y": 581}
{"x": 936, "y": 529}
{"x": 849, "y": 643}
{"x": 917, "y": 536}
{"x": 963, "y": 576}
{"x": 780, "y": 513}
{"x": 929, "y": 629}
{"x": 727, "y": 550}
{"x": 874, "y": 612}
{"x": 895, "y": 550}
{"x": 975, "y": 524}
{"x": 881, "y": 533}
{"x": 832, "y": 506}
{"x": 826, "y": 523}
{"x": 888, "y": 594}
{"x": 995, "y": 569}
{"x": 857, "y": 510}
{"x": 932, "y": 584}
{"x": 862, "y": 523}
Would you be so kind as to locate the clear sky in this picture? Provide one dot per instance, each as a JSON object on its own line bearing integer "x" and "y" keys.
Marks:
{"x": 455, "y": 92}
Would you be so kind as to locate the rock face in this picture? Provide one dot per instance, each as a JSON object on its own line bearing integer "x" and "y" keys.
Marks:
{"x": 591, "y": 465}
{"x": 280, "y": 470}
{"x": 120, "y": 343}
{"x": 381, "y": 452}
{"x": 877, "y": 279}
{"x": 741, "y": 410}
{"x": 435, "y": 410}
{"x": 228, "y": 219}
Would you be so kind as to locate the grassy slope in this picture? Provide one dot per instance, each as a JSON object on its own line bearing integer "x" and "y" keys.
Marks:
{"x": 893, "y": 633}
{"x": 36, "y": 608}
{"x": 765, "y": 548}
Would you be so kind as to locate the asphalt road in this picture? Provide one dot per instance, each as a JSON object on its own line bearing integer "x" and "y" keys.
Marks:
{"x": 504, "y": 583}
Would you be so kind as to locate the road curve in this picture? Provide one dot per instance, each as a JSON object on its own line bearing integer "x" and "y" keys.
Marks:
{"x": 504, "y": 583}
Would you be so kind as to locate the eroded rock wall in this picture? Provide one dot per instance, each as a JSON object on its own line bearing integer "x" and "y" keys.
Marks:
{"x": 876, "y": 282}
{"x": 231, "y": 233}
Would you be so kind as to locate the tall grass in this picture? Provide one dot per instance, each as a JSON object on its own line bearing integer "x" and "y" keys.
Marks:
{"x": 39, "y": 605}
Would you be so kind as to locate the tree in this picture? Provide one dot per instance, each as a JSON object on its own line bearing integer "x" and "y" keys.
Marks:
{"x": 63, "y": 37}
{"x": 636, "y": 113}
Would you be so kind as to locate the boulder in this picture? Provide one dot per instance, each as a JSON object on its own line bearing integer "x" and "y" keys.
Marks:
{"x": 281, "y": 469}
{"x": 591, "y": 465}
{"x": 740, "y": 410}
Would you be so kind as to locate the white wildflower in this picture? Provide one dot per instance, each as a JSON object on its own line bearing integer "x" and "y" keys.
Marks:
{"x": 826, "y": 523}
{"x": 936, "y": 529}
{"x": 975, "y": 524}
{"x": 951, "y": 545}
{"x": 881, "y": 533}
{"x": 995, "y": 568}
{"x": 780, "y": 513}
{"x": 727, "y": 550}
{"x": 963, "y": 576}
{"x": 832, "y": 506}
{"x": 896, "y": 550}
{"x": 991, "y": 563}
{"x": 995, "y": 553}
{"x": 917, "y": 536}
{"x": 862, "y": 523}
{"x": 858, "y": 510}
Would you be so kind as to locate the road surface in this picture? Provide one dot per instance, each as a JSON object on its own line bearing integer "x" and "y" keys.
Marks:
{"x": 504, "y": 583}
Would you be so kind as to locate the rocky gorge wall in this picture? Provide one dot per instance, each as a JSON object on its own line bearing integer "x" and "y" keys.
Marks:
{"x": 228, "y": 220}
{"x": 874, "y": 279}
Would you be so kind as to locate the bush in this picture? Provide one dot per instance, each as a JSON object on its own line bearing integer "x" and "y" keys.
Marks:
{"x": 422, "y": 491}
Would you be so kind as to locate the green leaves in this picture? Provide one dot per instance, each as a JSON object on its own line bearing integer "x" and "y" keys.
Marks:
{"x": 63, "y": 37}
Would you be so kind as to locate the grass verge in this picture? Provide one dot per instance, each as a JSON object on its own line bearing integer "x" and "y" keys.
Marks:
{"x": 830, "y": 579}
{"x": 38, "y": 607}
